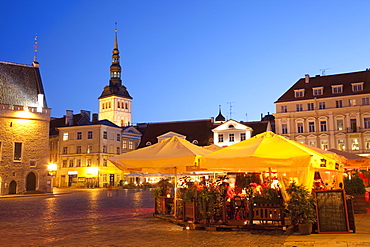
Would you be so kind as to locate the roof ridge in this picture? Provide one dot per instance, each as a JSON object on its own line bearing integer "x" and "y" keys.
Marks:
{"x": 19, "y": 64}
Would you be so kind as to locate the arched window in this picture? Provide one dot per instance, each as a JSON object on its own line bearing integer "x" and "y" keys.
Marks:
{"x": 148, "y": 143}
{"x": 126, "y": 106}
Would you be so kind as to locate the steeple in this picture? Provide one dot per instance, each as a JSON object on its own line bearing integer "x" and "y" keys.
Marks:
{"x": 115, "y": 68}
{"x": 115, "y": 103}
{"x": 220, "y": 118}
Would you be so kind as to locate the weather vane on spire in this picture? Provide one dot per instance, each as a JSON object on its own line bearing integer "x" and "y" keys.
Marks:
{"x": 116, "y": 27}
{"x": 35, "y": 48}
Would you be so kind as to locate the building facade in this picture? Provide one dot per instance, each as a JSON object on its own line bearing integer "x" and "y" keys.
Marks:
{"x": 83, "y": 155}
{"x": 24, "y": 127}
{"x": 328, "y": 112}
{"x": 115, "y": 103}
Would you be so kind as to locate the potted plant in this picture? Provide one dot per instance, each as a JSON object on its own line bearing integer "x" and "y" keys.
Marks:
{"x": 354, "y": 186}
{"x": 301, "y": 208}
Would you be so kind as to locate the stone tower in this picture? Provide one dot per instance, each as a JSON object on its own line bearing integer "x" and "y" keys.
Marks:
{"x": 115, "y": 103}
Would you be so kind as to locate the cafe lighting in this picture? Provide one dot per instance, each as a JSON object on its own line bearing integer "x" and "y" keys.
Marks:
{"x": 52, "y": 167}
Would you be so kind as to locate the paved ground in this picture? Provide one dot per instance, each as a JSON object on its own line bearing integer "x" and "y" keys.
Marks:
{"x": 90, "y": 218}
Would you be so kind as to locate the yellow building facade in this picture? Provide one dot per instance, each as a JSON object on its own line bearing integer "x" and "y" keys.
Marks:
{"x": 328, "y": 112}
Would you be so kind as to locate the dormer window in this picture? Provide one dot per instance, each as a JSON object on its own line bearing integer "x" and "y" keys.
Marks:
{"x": 356, "y": 87}
{"x": 299, "y": 93}
{"x": 318, "y": 91}
{"x": 231, "y": 126}
{"x": 337, "y": 89}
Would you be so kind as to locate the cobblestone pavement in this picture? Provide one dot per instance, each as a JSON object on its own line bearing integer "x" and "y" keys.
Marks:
{"x": 90, "y": 218}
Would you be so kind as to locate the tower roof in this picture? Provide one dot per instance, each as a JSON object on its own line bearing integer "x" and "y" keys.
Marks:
{"x": 115, "y": 87}
{"x": 220, "y": 117}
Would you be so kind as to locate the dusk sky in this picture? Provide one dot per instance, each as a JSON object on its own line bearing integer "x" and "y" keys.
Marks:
{"x": 182, "y": 59}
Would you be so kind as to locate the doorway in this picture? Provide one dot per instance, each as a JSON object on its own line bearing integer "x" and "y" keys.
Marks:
{"x": 31, "y": 182}
{"x": 13, "y": 187}
{"x": 111, "y": 179}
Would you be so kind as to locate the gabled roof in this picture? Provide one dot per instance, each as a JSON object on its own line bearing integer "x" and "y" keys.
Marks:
{"x": 20, "y": 84}
{"x": 326, "y": 82}
{"x": 199, "y": 130}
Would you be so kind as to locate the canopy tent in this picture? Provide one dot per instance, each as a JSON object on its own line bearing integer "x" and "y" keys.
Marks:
{"x": 352, "y": 160}
{"x": 173, "y": 154}
{"x": 291, "y": 160}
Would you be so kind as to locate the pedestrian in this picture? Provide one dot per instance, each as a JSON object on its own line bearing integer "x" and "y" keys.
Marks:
{"x": 109, "y": 191}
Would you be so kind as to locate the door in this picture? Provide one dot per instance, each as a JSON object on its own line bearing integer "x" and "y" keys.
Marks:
{"x": 13, "y": 187}
{"x": 111, "y": 179}
{"x": 31, "y": 182}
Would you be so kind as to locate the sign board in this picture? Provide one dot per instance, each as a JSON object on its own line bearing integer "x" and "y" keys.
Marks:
{"x": 331, "y": 209}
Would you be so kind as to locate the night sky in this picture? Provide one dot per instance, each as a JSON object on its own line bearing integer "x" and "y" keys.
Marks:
{"x": 182, "y": 59}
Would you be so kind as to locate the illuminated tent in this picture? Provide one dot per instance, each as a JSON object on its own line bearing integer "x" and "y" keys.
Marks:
{"x": 352, "y": 160}
{"x": 173, "y": 154}
{"x": 290, "y": 159}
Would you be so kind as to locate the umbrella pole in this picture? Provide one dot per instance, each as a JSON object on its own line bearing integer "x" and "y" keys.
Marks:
{"x": 175, "y": 194}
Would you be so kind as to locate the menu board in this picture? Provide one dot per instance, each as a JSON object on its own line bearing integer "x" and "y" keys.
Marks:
{"x": 331, "y": 211}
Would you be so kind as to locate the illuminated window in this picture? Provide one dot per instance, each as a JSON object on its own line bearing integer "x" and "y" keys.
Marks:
{"x": 324, "y": 145}
{"x": 89, "y": 135}
{"x": 367, "y": 143}
{"x": 124, "y": 144}
{"x": 78, "y": 149}
{"x": 355, "y": 144}
{"x": 310, "y": 107}
{"x": 352, "y": 102}
{"x": 340, "y": 125}
{"x": 105, "y": 135}
{"x": 220, "y": 138}
{"x": 312, "y": 143}
{"x": 242, "y": 136}
{"x": 89, "y": 149}
{"x": 65, "y": 150}
{"x": 341, "y": 145}
{"x": 231, "y": 138}
{"x": 299, "y": 107}
{"x": 65, "y": 136}
{"x": 88, "y": 162}
{"x": 105, "y": 178}
{"x": 130, "y": 145}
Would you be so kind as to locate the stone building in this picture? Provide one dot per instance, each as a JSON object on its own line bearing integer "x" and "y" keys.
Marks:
{"x": 328, "y": 112}
{"x": 24, "y": 127}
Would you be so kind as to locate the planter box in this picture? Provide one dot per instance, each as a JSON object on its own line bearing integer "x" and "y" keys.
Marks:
{"x": 359, "y": 204}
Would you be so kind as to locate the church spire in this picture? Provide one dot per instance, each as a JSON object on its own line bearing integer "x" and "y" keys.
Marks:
{"x": 115, "y": 68}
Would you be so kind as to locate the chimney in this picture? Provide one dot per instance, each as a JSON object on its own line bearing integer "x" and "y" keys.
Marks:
{"x": 306, "y": 78}
{"x": 69, "y": 118}
{"x": 95, "y": 118}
